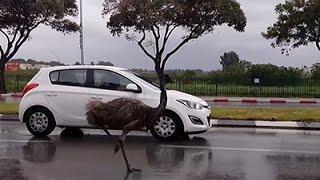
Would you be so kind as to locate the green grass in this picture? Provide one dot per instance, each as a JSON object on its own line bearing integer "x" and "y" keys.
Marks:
{"x": 268, "y": 114}
{"x": 9, "y": 108}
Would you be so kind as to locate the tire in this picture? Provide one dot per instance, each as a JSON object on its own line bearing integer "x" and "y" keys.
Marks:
{"x": 40, "y": 122}
{"x": 167, "y": 128}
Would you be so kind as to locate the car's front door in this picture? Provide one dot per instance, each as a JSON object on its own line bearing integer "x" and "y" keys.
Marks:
{"x": 109, "y": 85}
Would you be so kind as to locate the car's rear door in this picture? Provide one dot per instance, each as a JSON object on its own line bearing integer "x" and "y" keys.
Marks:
{"x": 108, "y": 85}
{"x": 69, "y": 95}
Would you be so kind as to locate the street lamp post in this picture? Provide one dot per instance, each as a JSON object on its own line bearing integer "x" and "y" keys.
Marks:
{"x": 81, "y": 34}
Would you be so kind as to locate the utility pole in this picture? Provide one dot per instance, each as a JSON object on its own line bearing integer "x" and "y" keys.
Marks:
{"x": 81, "y": 34}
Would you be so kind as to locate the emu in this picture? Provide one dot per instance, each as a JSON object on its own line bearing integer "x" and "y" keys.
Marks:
{"x": 123, "y": 114}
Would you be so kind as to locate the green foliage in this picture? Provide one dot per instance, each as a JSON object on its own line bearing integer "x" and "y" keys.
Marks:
{"x": 228, "y": 59}
{"x": 315, "y": 71}
{"x": 104, "y": 63}
{"x": 298, "y": 24}
{"x": 273, "y": 75}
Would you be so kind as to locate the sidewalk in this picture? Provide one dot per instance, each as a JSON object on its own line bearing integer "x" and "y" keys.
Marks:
{"x": 11, "y": 95}
{"x": 270, "y": 100}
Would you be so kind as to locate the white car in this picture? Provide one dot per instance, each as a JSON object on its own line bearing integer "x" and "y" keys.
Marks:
{"x": 58, "y": 96}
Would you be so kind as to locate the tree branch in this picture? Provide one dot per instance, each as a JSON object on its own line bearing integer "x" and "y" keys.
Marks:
{"x": 1, "y": 51}
{"x": 187, "y": 39}
{"x": 318, "y": 39}
{"x": 144, "y": 49}
{"x": 166, "y": 37}
{"x": 156, "y": 38}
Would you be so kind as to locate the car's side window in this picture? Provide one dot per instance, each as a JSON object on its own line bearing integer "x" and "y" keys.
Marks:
{"x": 109, "y": 80}
{"x": 72, "y": 77}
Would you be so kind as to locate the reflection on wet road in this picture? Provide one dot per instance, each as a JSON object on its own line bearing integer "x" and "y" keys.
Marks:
{"x": 223, "y": 153}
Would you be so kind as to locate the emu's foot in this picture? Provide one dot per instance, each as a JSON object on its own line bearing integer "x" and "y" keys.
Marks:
{"x": 133, "y": 170}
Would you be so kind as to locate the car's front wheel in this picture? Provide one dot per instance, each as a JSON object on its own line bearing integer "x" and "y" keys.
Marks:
{"x": 40, "y": 122}
{"x": 167, "y": 128}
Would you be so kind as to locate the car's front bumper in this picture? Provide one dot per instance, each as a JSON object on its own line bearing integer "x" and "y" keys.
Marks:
{"x": 203, "y": 115}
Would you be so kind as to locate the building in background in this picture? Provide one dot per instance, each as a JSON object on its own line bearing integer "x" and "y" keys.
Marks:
{"x": 20, "y": 64}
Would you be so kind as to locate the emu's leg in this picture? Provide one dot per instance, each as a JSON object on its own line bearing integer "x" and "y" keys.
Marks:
{"x": 122, "y": 137}
{"x": 105, "y": 130}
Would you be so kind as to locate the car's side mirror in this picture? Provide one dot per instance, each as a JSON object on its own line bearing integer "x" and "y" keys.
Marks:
{"x": 133, "y": 87}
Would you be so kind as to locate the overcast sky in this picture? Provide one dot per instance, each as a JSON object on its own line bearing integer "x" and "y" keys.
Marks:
{"x": 204, "y": 53}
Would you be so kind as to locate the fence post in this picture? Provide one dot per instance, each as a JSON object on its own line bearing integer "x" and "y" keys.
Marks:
{"x": 216, "y": 89}
{"x": 17, "y": 83}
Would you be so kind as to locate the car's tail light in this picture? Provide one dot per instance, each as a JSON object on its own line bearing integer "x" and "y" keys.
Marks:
{"x": 29, "y": 87}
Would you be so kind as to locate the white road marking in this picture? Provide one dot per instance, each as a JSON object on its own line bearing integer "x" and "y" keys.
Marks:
{"x": 22, "y": 141}
{"x": 244, "y": 149}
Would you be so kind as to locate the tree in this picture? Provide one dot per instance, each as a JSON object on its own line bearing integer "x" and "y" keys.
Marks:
{"x": 18, "y": 18}
{"x": 104, "y": 63}
{"x": 315, "y": 71}
{"x": 228, "y": 59}
{"x": 270, "y": 74}
{"x": 156, "y": 21}
{"x": 298, "y": 25}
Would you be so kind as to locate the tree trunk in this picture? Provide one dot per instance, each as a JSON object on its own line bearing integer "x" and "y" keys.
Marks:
{"x": 318, "y": 45}
{"x": 3, "y": 88}
{"x": 163, "y": 95}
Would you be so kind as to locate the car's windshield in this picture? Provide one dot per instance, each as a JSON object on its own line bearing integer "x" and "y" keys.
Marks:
{"x": 146, "y": 80}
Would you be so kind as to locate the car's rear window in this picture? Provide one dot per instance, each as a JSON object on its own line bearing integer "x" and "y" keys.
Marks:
{"x": 73, "y": 77}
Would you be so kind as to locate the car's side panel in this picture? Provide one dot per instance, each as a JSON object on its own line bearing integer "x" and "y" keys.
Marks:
{"x": 36, "y": 98}
{"x": 69, "y": 103}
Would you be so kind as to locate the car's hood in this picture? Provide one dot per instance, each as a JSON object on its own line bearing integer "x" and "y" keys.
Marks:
{"x": 172, "y": 94}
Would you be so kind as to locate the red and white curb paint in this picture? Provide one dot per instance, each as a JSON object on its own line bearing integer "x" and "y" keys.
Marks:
{"x": 270, "y": 101}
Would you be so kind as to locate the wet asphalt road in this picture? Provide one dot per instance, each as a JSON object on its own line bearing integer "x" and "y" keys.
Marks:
{"x": 221, "y": 153}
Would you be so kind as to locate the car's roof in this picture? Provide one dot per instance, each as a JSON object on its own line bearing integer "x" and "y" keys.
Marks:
{"x": 83, "y": 67}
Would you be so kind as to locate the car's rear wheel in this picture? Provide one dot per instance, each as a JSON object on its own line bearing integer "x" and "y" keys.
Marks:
{"x": 40, "y": 122}
{"x": 167, "y": 128}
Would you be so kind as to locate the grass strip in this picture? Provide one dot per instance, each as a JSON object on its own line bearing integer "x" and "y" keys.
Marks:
{"x": 268, "y": 114}
{"x": 9, "y": 108}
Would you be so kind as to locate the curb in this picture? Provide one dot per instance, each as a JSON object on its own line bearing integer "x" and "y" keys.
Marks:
{"x": 234, "y": 123}
{"x": 266, "y": 124}
{"x": 11, "y": 95}
{"x": 270, "y": 101}
{"x": 7, "y": 117}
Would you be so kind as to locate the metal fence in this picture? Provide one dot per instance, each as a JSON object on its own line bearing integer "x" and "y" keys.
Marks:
{"x": 304, "y": 87}
{"x": 16, "y": 83}
{"x": 207, "y": 87}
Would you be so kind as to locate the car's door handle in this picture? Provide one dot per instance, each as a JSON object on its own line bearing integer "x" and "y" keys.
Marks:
{"x": 52, "y": 95}
{"x": 96, "y": 98}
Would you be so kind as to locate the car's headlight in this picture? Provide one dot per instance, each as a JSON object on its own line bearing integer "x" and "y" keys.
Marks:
{"x": 191, "y": 104}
